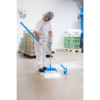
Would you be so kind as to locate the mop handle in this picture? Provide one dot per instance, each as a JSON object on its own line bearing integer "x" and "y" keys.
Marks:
{"x": 38, "y": 42}
{"x": 29, "y": 31}
{"x": 50, "y": 52}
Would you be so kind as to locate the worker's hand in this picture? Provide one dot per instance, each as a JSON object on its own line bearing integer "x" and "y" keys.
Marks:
{"x": 51, "y": 39}
{"x": 40, "y": 41}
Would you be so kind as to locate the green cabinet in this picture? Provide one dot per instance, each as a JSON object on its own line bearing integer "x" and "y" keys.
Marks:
{"x": 72, "y": 42}
{"x": 22, "y": 43}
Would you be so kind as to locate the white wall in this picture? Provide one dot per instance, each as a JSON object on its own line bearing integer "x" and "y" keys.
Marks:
{"x": 65, "y": 17}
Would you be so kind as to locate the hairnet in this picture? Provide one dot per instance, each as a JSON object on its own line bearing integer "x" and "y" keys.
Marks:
{"x": 48, "y": 15}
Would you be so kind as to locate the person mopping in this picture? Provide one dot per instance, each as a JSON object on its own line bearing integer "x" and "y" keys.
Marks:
{"x": 42, "y": 30}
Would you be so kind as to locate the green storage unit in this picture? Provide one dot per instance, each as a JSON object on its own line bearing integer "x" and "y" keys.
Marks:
{"x": 74, "y": 38}
{"x": 74, "y": 42}
{"x": 22, "y": 43}
{"x": 22, "y": 46}
{"x": 66, "y": 42}
{"x": 66, "y": 38}
{"x": 66, "y": 46}
{"x": 74, "y": 46}
{"x": 22, "y": 39}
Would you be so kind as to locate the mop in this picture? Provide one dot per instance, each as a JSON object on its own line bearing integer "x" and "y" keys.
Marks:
{"x": 48, "y": 69}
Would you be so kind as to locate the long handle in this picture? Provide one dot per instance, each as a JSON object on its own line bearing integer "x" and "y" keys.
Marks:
{"x": 29, "y": 31}
{"x": 42, "y": 44}
{"x": 50, "y": 55}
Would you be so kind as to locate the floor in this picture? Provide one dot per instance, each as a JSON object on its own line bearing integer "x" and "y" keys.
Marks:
{"x": 33, "y": 85}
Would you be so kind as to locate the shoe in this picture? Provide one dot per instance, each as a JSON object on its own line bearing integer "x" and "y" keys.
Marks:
{"x": 41, "y": 70}
{"x": 44, "y": 68}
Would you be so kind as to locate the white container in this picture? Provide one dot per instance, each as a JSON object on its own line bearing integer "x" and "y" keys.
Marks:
{"x": 75, "y": 33}
{"x": 67, "y": 33}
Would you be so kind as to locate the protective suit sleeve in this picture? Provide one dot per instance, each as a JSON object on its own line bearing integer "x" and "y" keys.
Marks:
{"x": 38, "y": 26}
{"x": 50, "y": 28}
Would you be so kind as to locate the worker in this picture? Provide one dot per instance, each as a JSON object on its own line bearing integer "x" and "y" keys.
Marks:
{"x": 42, "y": 31}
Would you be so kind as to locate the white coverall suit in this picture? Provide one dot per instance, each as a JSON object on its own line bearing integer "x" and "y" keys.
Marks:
{"x": 43, "y": 28}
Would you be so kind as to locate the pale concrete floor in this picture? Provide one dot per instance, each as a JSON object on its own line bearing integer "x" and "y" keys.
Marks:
{"x": 30, "y": 87}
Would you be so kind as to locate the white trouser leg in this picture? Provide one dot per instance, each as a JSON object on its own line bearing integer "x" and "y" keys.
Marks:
{"x": 44, "y": 53}
{"x": 39, "y": 54}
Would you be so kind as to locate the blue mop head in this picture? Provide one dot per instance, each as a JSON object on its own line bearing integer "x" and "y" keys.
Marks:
{"x": 50, "y": 70}
{"x": 65, "y": 71}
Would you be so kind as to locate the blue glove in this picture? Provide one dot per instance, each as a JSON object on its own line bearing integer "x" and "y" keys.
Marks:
{"x": 51, "y": 39}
